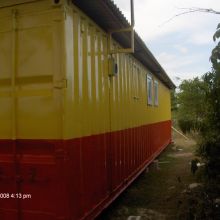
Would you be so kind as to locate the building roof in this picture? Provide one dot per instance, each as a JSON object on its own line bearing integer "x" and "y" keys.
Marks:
{"x": 109, "y": 17}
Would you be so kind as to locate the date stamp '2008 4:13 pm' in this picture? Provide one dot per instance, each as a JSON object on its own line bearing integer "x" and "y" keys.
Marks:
{"x": 15, "y": 196}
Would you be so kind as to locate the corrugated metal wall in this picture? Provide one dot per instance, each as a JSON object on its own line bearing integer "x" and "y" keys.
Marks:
{"x": 116, "y": 133}
{"x": 70, "y": 135}
{"x": 121, "y": 99}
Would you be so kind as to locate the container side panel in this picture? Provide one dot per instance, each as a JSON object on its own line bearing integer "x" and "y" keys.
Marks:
{"x": 5, "y": 77}
{"x": 151, "y": 138}
{"x": 43, "y": 173}
{"x": 38, "y": 78}
{"x": 86, "y": 110}
{"x": 31, "y": 84}
{"x": 8, "y": 205}
{"x": 71, "y": 137}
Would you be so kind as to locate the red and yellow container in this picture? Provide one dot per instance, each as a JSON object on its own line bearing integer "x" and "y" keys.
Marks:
{"x": 72, "y": 138}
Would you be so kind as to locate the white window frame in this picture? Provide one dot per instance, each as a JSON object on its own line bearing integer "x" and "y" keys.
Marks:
{"x": 156, "y": 93}
{"x": 149, "y": 90}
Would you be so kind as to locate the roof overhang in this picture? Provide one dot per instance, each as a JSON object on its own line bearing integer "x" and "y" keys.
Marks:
{"x": 108, "y": 16}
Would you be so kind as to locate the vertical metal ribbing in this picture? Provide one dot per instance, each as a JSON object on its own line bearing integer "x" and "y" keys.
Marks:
{"x": 14, "y": 106}
{"x": 13, "y": 75}
{"x": 13, "y": 87}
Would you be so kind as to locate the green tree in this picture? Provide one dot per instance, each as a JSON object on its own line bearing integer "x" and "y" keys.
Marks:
{"x": 215, "y": 57}
{"x": 191, "y": 104}
{"x": 174, "y": 107}
{"x": 210, "y": 144}
{"x": 174, "y": 103}
{"x": 199, "y": 108}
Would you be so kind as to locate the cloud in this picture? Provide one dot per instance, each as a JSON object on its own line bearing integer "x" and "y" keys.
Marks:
{"x": 182, "y": 45}
{"x": 201, "y": 38}
{"x": 181, "y": 49}
{"x": 151, "y": 19}
{"x": 184, "y": 67}
{"x": 173, "y": 63}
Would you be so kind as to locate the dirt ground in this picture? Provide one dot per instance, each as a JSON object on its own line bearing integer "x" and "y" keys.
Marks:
{"x": 158, "y": 193}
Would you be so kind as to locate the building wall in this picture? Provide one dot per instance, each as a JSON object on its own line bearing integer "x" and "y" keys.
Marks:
{"x": 111, "y": 131}
{"x": 73, "y": 49}
{"x": 75, "y": 136}
{"x": 105, "y": 103}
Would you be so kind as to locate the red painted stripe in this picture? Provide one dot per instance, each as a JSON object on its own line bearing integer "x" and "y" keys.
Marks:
{"x": 78, "y": 178}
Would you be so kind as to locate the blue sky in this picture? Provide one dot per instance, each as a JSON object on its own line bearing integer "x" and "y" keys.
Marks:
{"x": 184, "y": 44}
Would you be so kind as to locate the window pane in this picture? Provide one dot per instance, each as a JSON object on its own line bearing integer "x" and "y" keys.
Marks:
{"x": 149, "y": 90}
{"x": 155, "y": 93}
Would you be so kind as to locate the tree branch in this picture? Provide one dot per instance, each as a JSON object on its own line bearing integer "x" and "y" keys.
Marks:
{"x": 192, "y": 10}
